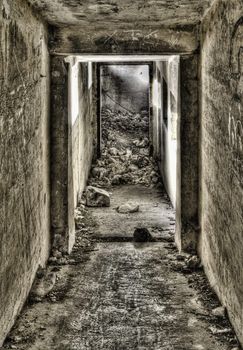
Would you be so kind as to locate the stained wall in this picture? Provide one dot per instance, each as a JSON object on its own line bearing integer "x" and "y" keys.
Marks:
{"x": 221, "y": 219}
{"x": 24, "y": 154}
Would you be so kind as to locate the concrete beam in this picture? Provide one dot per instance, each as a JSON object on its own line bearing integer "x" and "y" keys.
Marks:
{"x": 77, "y": 40}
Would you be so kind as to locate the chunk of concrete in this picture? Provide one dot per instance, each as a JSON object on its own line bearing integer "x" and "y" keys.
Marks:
{"x": 193, "y": 262}
{"x": 43, "y": 285}
{"x": 96, "y": 197}
{"x": 128, "y": 208}
{"x": 116, "y": 180}
{"x": 219, "y": 311}
{"x": 219, "y": 331}
{"x": 142, "y": 234}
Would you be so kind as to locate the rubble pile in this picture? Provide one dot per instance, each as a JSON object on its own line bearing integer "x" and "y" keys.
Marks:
{"x": 124, "y": 121}
{"x": 125, "y": 151}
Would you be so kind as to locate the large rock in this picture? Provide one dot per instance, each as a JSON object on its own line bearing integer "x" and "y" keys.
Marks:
{"x": 96, "y": 197}
{"x": 142, "y": 234}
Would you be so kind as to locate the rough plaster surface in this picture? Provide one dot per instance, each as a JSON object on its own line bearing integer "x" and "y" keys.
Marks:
{"x": 24, "y": 152}
{"x": 106, "y": 14}
{"x": 222, "y": 155}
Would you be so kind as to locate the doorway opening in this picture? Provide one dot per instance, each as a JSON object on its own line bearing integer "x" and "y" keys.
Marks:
{"x": 125, "y": 134}
{"x": 137, "y": 119}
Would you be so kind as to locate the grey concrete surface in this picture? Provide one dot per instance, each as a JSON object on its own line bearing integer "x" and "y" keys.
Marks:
{"x": 155, "y": 213}
{"x": 121, "y": 296}
{"x": 24, "y": 154}
{"x": 221, "y": 219}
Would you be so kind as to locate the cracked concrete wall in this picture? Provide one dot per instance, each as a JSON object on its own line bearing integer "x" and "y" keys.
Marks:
{"x": 125, "y": 86}
{"x": 24, "y": 151}
{"x": 221, "y": 244}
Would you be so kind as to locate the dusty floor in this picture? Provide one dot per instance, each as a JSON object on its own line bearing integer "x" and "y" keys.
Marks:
{"x": 120, "y": 295}
{"x": 155, "y": 213}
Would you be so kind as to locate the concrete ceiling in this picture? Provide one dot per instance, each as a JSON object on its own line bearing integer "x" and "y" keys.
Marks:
{"x": 121, "y": 13}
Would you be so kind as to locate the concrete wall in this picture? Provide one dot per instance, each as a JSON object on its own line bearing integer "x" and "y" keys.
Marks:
{"x": 83, "y": 121}
{"x": 77, "y": 39}
{"x": 24, "y": 154}
{"x": 72, "y": 137}
{"x": 221, "y": 244}
{"x": 187, "y": 204}
{"x": 60, "y": 155}
{"x": 178, "y": 159}
{"x": 169, "y": 71}
{"x": 125, "y": 86}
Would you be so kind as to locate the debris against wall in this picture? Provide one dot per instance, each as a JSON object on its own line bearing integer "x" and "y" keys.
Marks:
{"x": 24, "y": 149}
{"x": 222, "y": 155}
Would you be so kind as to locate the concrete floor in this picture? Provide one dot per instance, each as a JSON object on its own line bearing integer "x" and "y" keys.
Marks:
{"x": 123, "y": 295}
{"x": 155, "y": 213}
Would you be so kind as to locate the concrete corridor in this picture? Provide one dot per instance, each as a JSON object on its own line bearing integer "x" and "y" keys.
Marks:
{"x": 116, "y": 294}
{"x": 128, "y": 92}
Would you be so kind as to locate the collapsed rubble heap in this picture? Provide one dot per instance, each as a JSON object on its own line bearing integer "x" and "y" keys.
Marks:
{"x": 125, "y": 151}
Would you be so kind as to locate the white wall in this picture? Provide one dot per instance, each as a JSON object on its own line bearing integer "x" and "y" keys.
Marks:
{"x": 165, "y": 136}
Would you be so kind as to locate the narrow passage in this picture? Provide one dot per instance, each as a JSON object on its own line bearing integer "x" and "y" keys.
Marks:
{"x": 113, "y": 292}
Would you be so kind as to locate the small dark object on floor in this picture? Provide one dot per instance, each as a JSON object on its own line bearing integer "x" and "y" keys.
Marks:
{"x": 142, "y": 234}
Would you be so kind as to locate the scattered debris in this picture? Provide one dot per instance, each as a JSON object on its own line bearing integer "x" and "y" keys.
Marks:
{"x": 218, "y": 331}
{"x": 198, "y": 307}
{"x": 128, "y": 208}
{"x": 167, "y": 236}
{"x": 181, "y": 257}
{"x": 96, "y": 197}
{"x": 125, "y": 152}
{"x": 43, "y": 285}
{"x": 193, "y": 262}
{"x": 219, "y": 311}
